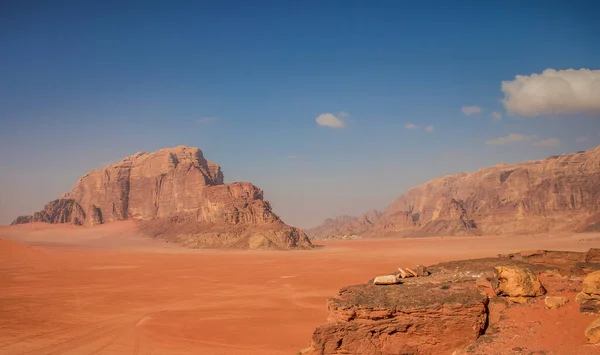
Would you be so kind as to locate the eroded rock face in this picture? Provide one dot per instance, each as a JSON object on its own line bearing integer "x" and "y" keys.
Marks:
{"x": 57, "y": 211}
{"x": 557, "y": 193}
{"x": 176, "y": 194}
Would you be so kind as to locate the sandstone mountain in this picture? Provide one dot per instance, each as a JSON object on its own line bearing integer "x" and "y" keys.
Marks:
{"x": 176, "y": 194}
{"x": 345, "y": 225}
{"x": 560, "y": 193}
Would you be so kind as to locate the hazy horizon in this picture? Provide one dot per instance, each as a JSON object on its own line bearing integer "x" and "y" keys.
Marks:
{"x": 330, "y": 110}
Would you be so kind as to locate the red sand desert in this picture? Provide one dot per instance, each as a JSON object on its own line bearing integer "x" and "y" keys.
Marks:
{"x": 102, "y": 290}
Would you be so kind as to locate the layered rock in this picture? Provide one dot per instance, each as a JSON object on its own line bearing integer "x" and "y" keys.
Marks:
{"x": 560, "y": 193}
{"x": 177, "y": 194}
{"x": 444, "y": 313}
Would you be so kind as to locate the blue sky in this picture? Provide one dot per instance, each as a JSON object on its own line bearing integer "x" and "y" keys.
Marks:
{"x": 83, "y": 85}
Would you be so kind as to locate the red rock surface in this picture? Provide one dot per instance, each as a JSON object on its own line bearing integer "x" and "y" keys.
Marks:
{"x": 559, "y": 193}
{"x": 445, "y": 313}
{"x": 176, "y": 194}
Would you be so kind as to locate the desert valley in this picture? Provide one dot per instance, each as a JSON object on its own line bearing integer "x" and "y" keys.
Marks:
{"x": 299, "y": 178}
{"x": 157, "y": 255}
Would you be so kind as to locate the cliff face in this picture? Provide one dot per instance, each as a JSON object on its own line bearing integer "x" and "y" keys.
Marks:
{"x": 557, "y": 193}
{"x": 177, "y": 194}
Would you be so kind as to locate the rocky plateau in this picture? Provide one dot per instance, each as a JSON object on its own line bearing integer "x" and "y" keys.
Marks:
{"x": 177, "y": 195}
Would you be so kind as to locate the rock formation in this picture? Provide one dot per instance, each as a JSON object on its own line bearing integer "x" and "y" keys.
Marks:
{"x": 176, "y": 194}
{"x": 448, "y": 311}
{"x": 343, "y": 227}
{"x": 555, "y": 194}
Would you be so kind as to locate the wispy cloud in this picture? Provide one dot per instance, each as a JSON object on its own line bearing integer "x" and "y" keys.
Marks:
{"x": 496, "y": 116}
{"x": 411, "y": 126}
{"x": 206, "y": 119}
{"x": 581, "y": 139}
{"x": 511, "y": 138}
{"x": 550, "y": 142}
{"x": 553, "y": 92}
{"x": 471, "y": 110}
{"x": 343, "y": 114}
{"x": 429, "y": 128}
{"x": 293, "y": 156}
{"x": 516, "y": 138}
{"x": 331, "y": 120}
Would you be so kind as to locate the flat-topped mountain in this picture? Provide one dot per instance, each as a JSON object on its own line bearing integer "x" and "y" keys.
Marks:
{"x": 177, "y": 194}
{"x": 560, "y": 193}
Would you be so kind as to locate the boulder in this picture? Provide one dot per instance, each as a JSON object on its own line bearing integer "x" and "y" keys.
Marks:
{"x": 514, "y": 281}
{"x": 422, "y": 270}
{"x": 386, "y": 280}
{"x": 592, "y": 332}
{"x": 591, "y": 283}
{"x": 553, "y": 302}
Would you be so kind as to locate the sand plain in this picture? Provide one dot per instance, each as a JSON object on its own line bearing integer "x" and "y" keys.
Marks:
{"x": 104, "y": 290}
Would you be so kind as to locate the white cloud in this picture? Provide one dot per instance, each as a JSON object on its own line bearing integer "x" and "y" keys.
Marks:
{"x": 471, "y": 110}
{"x": 330, "y": 120}
{"x": 496, "y": 115}
{"x": 550, "y": 142}
{"x": 411, "y": 126}
{"x": 581, "y": 139}
{"x": 429, "y": 128}
{"x": 553, "y": 92}
{"x": 343, "y": 114}
{"x": 511, "y": 138}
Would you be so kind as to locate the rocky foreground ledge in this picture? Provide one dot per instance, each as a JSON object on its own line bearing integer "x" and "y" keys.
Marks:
{"x": 448, "y": 311}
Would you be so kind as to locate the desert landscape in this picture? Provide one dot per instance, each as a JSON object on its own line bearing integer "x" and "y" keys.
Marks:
{"x": 103, "y": 290}
{"x": 156, "y": 255}
{"x": 302, "y": 178}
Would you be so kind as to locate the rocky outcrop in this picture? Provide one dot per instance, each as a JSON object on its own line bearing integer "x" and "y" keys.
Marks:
{"x": 445, "y": 312}
{"x": 344, "y": 226}
{"x": 178, "y": 195}
{"x": 560, "y": 193}
{"x": 401, "y": 319}
{"x": 57, "y": 211}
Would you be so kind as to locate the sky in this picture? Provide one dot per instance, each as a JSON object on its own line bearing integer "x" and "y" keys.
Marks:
{"x": 331, "y": 107}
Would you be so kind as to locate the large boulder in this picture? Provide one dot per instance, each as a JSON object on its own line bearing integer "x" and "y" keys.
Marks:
{"x": 514, "y": 281}
{"x": 176, "y": 194}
